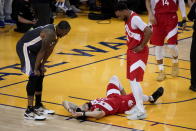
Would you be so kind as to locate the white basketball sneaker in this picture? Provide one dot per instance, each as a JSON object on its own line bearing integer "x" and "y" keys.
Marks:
{"x": 31, "y": 114}
{"x": 137, "y": 116}
{"x": 131, "y": 111}
{"x": 43, "y": 110}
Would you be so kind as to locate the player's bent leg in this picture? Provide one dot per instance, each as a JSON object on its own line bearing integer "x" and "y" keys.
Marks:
{"x": 114, "y": 87}
{"x": 114, "y": 80}
{"x": 112, "y": 90}
{"x": 174, "y": 52}
{"x": 159, "y": 57}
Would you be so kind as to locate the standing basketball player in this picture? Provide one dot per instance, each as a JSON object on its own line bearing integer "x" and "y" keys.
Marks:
{"x": 138, "y": 35}
{"x": 33, "y": 49}
{"x": 164, "y": 20}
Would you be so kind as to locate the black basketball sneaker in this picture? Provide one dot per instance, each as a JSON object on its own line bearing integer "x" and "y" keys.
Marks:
{"x": 158, "y": 93}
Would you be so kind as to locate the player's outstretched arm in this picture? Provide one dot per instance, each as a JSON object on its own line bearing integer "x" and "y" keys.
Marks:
{"x": 97, "y": 113}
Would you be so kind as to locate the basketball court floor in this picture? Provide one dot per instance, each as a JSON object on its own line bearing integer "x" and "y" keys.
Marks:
{"x": 79, "y": 70}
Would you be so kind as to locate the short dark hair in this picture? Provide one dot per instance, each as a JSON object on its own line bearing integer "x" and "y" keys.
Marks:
{"x": 121, "y": 6}
{"x": 64, "y": 25}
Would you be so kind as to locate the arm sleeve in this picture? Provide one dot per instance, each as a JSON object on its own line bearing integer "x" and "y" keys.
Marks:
{"x": 137, "y": 23}
{"x": 182, "y": 8}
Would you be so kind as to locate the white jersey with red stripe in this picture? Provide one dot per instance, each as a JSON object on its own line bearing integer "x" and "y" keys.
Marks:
{"x": 114, "y": 105}
{"x": 134, "y": 28}
{"x": 168, "y": 6}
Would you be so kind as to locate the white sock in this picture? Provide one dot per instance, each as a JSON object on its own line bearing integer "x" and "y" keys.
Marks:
{"x": 174, "y": 52}
{"x": 175, "y": 60}
{"x": 138, "y": 95}
{"x": 146, "y": 98}
{"x": 161, "y": 67}
{"x": 151, "y": 98}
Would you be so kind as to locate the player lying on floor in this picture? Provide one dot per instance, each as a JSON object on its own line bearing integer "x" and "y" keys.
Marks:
{"x": 115, "y": 102}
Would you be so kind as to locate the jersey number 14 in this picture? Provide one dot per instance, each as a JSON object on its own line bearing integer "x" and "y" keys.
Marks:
{"x": 165, "y": 2}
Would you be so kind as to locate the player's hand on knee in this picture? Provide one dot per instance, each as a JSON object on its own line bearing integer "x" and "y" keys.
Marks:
{"x": 37, "y": 73}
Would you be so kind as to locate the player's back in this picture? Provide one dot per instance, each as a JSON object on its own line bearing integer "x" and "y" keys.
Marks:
{"x": 164, "y": 6}
{"x": 32, "y": 39}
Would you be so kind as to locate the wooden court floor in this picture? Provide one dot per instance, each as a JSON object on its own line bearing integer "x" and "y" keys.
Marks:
{"x": 79, "y": 70}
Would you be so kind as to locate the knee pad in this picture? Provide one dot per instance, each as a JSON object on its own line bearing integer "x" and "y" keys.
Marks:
{"x": 39, "y": 86}
{"x": 174, "y": 50}
{"x": 159, "y": 52}
{"x": 31, "y": 85}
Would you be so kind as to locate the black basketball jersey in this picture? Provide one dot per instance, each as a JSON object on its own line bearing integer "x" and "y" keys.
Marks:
{"x": 32, "y": 39}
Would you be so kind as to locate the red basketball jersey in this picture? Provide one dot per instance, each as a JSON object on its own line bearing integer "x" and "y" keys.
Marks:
{"x": 134, "y": 36}
{"x": 114, "y": 105}
{"x": 164, "y": 6}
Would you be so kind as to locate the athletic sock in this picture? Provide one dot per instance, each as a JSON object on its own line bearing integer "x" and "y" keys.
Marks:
{"x": 175, "y": 60}
{"x": 161, "y": 67}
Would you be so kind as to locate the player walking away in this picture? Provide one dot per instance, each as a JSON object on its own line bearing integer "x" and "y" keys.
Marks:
{"x": 115, "y": 102}
{"x": 138, "y": 35}
{"x": 164, "y": 20}
{"x": 33, "y": 49}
